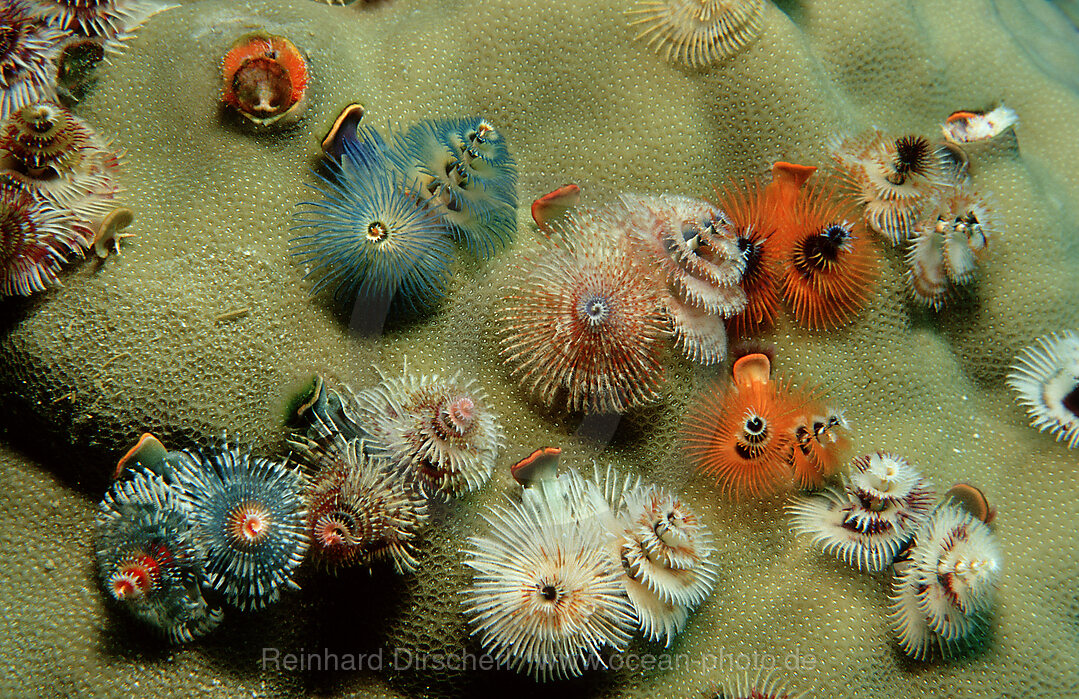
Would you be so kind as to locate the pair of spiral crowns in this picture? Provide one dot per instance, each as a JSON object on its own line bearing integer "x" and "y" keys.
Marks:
{"x": 376, "y": 457}
{"x": 390, "y": 210}
{"x": 176, "y": 524}
{"x": 757, "y": 433}
{"x": 57, "y": 196}
{"x": 946, "y": 559}
{"x": 569, "y": 571}
{"x": 920, "y": 195}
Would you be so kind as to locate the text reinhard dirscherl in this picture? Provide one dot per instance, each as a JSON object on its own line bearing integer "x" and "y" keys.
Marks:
{"x": 403, "y": 659}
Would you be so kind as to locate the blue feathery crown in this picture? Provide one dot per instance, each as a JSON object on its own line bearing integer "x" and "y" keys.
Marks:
{"x": 389, "y": 211}
{"x": 222, "y": 487}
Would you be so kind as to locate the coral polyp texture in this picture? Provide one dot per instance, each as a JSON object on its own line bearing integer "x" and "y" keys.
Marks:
{"x": 438, "y": 432}
{"x": 148, "y": 558}
{"x": 265, "y": 80}
{"x": 247, "y": 515}
{"x": 359, "y": 509}
{"x": 1045, "y": 379}
{"x": 370, "y": 237}
{"x": 944, "y": 592}
{"x": 742, "y": 434}
{"x": 870, "y": 515}
{"x": 465, "y": 168}
{"x": 28, "y": 53}
{"x": 546, "y": 597}
{"x": 697, "y": 33}
{"x": 585, "y": 327}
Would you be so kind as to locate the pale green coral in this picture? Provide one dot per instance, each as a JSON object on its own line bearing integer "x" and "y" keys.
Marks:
{"x": 133, "y": 344}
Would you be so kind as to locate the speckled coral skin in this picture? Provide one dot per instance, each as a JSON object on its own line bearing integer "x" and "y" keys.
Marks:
{"x": 133, "y": 344}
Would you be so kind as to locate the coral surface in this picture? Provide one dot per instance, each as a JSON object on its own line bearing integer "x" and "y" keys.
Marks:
{"x": 204, "y": 324}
